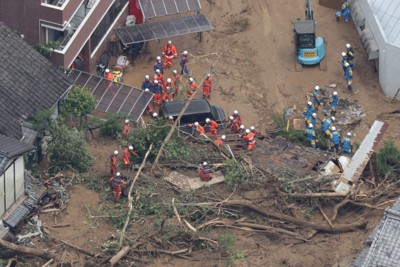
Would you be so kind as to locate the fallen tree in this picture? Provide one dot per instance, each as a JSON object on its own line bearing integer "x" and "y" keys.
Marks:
{"x": 27, "y": 251}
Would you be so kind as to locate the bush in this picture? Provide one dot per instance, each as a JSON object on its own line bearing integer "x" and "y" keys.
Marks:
{"x": 234, "y": 172}
{"x": 388, "y": 160}
{"x": 111, "y": 126}
{"x": 47, "y": 49}
{"x": 79, "y": 102}
{"x": 67, "y": 148}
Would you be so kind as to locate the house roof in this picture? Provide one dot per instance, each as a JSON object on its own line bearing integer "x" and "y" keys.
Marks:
{"x": 385, "y": 247}
{"x": 387, "y": 13}
{"x": 11, "y": 148}
{"x": 28, "y": 82}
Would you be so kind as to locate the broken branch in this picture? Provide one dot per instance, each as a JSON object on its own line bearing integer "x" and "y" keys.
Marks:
{"x": 26, "y": 250}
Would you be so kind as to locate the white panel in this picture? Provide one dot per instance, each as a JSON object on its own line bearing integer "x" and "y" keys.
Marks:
{"x": 9, "y": 186}
{"x": 19, "y": 177}
{"x": 2, "y": 196}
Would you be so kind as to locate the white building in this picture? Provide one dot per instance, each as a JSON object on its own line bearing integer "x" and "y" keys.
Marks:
{"x": 378, "y": 23}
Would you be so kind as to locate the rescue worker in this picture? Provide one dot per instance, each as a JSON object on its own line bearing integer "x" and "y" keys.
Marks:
{"x": 207, "y": 85}
{"x": 128, "y": 152}
{"x": 148, "y": 108}
{"x": 108, "y": 75}
{"x": 158, "y": 65}
{"x": 176, "y": 80}
{"x": 213, "y": 126}
{"x": 199, "y": 129}
{"x": 126, "y": 130}
{"x": 168, "y": 83}
{"x": 347, "y": 147}
{"x": 157, "y": 91}
{"x": 326, "y": 124}
{"x": 344, "y": 12}
{"x": 147, "y": 83}
{"x": 317, "y": 98}
{"x": 219, "y": 141}
{"x": 349, "y": 76}
{"x": 311, "y": 136}
{"x": 350, "y": 54}
{"x": 250, "y": 139}
{"x": 114, "y": 162}
{"x": 184, "y": 63}
{"x": 242, "y": 130}
{"x": 158, "y": 77}
{"x": 237, "y": 117}
{"x": 117, "y": 182}
{"x": 344, "y": 60}
{"x": 169, "y": 53}
{"x": 333, "y": 102}
{"x": 312, "y": 119}
{"x": 168, "y": 95}
{"x": 334, "y": 141}
{"x": 234, "y": 125}
{"x": 205, "y": 172}
{"x": 171, "y": 120}
{"x": 253, "y": 130}
{"x": 308, "y": 111}
{"x": 192, "y": 87}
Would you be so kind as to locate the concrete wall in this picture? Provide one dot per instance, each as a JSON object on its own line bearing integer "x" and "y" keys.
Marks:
{"x": 12, "y": 184}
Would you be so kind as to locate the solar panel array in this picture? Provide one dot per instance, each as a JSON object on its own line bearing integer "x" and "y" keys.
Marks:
{"x": 158, "y": 8}
{"x": 113, "y": 97}
{"x": 162, "y": 29}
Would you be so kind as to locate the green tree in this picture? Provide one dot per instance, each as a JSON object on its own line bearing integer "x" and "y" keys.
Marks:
{"x": 67, "y": 148}
{"x": 79, "y": 103}
{"x": 388, "y": 160}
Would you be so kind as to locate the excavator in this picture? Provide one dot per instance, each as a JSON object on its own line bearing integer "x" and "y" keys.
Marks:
{"x": 310, "y": 50}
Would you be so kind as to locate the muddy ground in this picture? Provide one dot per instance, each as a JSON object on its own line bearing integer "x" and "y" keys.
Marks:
{"x": 250, "y": 54}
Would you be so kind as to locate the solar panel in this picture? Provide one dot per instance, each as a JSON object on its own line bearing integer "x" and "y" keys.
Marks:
{"x": 159, "y": 8}
{"x": 113, "y": 97}
{"x": 163, "y": 29}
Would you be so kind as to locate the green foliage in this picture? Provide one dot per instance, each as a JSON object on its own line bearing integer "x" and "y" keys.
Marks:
{"x": 227, "y": 242}
{"x": 47, "y": 49}
{"x": 79, "y": 102}
{"x": 279, "y": 120}
{"x": 388, "y": 160}
{"x": 67, "y": 148}
{"x": 42, "y": 119}
{"x": 234, "y": 172}
{"x": 111, "y": 126}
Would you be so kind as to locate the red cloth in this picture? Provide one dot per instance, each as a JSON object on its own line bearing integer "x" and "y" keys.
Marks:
{"x": 109, "y": 76}
{"x": 205, "y": 174}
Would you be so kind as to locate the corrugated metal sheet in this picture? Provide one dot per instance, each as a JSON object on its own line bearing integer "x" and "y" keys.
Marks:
{"x": 388, "y": 13}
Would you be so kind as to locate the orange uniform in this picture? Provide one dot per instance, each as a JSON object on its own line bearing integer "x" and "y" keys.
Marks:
{"x": 238, "y": 118}
{"x": 114, "y": 162}
{"x": 207, "y": 84}
{"x": 176, "y": 80}
{"x": 126, "y": 131}
{"x": 192, "y": 87}
{"x": 205, "y": 173}
{"x": 235, "y": 127}
{"x": 250, "y": 139}
{"x": 117, "y": 183}
{"x": 169, "y": 53}
{"x": 167, "y": 84}
{"x": 109, "y": 76}
{"x": 199, "y": 130}
{"x": 159, "y": 77}
{"x": 219, "y": 142}
{"x": 213, "y": 127}
{"x": 127, "y": 156}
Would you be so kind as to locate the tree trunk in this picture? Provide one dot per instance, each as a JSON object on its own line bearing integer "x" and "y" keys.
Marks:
{"x": 26, "y": 250}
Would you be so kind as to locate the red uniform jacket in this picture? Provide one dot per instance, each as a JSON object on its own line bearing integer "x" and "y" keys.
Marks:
{"x": 170, "y": 51}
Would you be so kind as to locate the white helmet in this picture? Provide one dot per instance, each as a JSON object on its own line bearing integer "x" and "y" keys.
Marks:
{"x": 333, "y": 128}
{"x": 196, "y": 124}
{"x": 335, "y": 93}
{"x": 348, "y": 134}
{"x": 309, "y": 103}
{"x": 346, "y": 64}
{"x": 126, "y": 121}
{"x": 333, "y": 118}
{"x": 175, "y": 72}
{"x": 130, "y": 147}
{"x": 116, "y": 152}
{"x": 204, "y": 163}
{"x": 247, "y": 131}
{"x": 185, "y": 52}
{"x": 310, "y": 125}
{"x": 190, "y": 79}
{"x": 169, "y": 80}
{"x": 107, "y": 70}
{"x": 158, "y": 71}
{"x": 343, "y": 54}
{"x": 156, "y": 81}
{"x": 209, "y": 75}
{"x": 155, "y": 114}
{"x": 147, "y": 90}
{"x": 242, "y": 126}
{"x": 316, "y": 87}
{"x": 252, "y": 128}
{"x": 314, "y": 115}
{"x": 118, "y": 174}
{"x": 231, "y": 118}
{"x": 169, "y": 42}
{"x": 158, "y": 58}
{"x": 223, "y": 137}
{"x": 348, "y": 45}
{"x": 235, "y": 112}
{"x": 147, "y": 77}
{"x": 208, "y": 120}
{"x": 170, "y": 118}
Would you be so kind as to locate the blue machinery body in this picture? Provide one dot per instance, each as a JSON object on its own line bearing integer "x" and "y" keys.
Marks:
{"x": 310, "y": 50}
